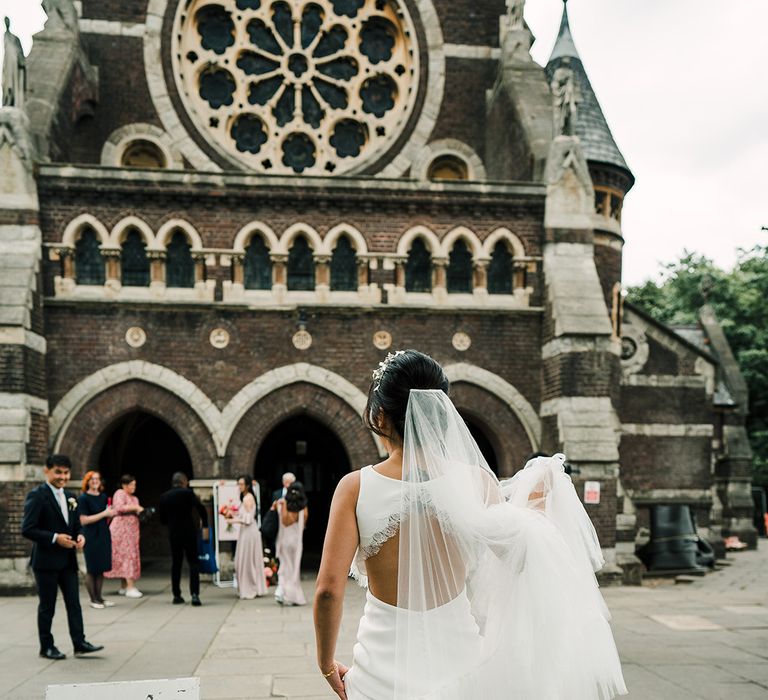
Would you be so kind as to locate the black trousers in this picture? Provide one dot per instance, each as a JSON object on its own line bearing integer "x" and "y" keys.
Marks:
{"x": 184, "y": 545}
{"x": 48, "y": 583}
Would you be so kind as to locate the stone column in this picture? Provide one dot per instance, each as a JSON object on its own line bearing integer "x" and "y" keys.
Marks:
{"x": 238, "y": 268}
{"x": 362, "y": 272}
{"x": 67, "y": 257}
{"x": 23, "y": 398}
{"x": 579, "y": 355}
{"x": 439, "y": 280}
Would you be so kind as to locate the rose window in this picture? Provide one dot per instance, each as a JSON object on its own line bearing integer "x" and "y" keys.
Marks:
{"x": 297, "y": 86}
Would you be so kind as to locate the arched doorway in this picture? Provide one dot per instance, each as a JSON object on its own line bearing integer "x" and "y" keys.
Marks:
{"x": 486, "y": 448}
{"x": 311, "y": 451}
{"x": 145, "y": 446}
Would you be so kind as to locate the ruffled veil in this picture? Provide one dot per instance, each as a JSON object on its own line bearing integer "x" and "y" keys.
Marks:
{"x": 497, "y": 596}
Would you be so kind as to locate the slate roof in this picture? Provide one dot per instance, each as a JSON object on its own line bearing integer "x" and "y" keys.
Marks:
{"x": 591, "y": 126}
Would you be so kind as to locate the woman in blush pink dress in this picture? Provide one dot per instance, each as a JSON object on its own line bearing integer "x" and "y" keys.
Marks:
{"x": 124, "y": 528}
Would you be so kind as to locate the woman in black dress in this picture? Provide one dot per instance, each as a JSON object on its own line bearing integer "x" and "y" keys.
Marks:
{"x": 94, "y": 514}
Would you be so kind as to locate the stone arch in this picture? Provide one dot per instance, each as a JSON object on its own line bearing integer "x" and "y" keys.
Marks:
{"x": 119, "y": 230}
{"x": 498, "y": 422}
{"x": 493, "y": 383}
{"x": 357, "y": 238}
{"x": 503, "y": 234}
{"x": 299, "y": 398}
{"x": 74, "y": 227}
{"x": 86, "y": 428}
{"x": 448, "y": 147}
{"x": 277, "y": 378}
{"x": 468, "y": 236}
{"x": 296, "y": 230}
{"x": 120, "y": 139}
{"x": 165, "y": 232}
{"x": 406, "y": 240}
{"x": 244, "y": 235}
{"x": 107, "y": 377}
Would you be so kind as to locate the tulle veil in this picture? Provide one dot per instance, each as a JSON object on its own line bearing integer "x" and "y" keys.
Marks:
{"x": 497, "y": 596}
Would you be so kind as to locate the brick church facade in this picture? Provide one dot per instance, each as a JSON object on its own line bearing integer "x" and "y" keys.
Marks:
{"x": 216, "y": 217}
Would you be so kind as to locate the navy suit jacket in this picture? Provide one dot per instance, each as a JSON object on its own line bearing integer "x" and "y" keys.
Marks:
{"x": 43, "y": 519}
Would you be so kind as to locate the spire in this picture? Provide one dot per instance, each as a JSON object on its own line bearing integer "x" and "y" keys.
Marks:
{"x": 590, "y": 126}
{"x": 564, "y": 46}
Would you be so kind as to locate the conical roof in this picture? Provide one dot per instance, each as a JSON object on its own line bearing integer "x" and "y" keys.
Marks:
{"x": 591, "y": 126}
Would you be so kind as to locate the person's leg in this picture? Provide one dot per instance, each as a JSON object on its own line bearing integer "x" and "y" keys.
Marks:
{"x": 190, "y": 550}
{"x": 177, "y": 554}
{"x": 90, "y": 585}
{"x": 70, "y": 589}
{"x": 98, "y": 585}
{"x": 46, "y": 593}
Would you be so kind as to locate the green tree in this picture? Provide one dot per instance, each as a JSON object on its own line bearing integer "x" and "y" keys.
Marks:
{"x": 740, "y": 299}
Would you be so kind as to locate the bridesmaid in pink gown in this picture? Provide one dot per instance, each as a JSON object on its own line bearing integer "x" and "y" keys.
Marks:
{"x": 249, "y": 555}
{"x": 293, "y": 513}
{"x": 124, "y": 529}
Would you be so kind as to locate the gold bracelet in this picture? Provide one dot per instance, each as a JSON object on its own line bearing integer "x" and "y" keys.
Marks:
{"x": 331, "y": 672}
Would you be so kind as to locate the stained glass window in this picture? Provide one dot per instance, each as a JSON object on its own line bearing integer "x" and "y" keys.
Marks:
{"x": 301, "y": 266}
{"x": 500, "y": 270}
{"x": 459, "y": 268}
{"x": 89, "y": 265}
{"x": 258, "y": 266}
{"x": 143, "y": 154}
{"x": 179, "y": 265}
{"x": 344, "y": 266}
{"x": 418, "y": 268}
{"x": 447, "y": 168}
{"x": 134, "y": 263}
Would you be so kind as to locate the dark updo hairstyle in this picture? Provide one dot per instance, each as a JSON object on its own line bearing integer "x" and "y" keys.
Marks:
{"x": 126, "y": 479}
{"x": 296, "y": 497}
{"x": 248, "y": 486}
{"x": 388, "y": 395}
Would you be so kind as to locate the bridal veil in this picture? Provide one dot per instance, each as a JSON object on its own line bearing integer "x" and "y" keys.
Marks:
{"x": 497, "y": 596}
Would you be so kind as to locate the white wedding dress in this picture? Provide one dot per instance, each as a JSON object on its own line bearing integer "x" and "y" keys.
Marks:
{"x": 497, "y": 597}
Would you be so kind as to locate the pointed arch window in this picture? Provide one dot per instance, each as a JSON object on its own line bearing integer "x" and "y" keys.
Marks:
{"x": 500, "y": 270}
{"x": 134, "y": 263}
{"x": 179, "y": 265}
{"x": 344, "y": 266}
{"x": 418, "y": 268}
{"x": 258, "y": 266}
{"x": 89, "y": 264}
{"x": 459, "y": 273}
{"x": 301, "y": 266}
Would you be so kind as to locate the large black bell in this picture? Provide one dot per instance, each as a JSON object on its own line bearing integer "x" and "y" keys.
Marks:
{"x": 674, "y": 544}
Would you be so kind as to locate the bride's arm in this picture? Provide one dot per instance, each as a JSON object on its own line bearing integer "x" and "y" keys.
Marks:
{"x": 339, "y": 548}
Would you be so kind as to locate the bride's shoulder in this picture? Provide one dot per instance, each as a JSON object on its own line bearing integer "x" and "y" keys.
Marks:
{"x": 348, "y": 487}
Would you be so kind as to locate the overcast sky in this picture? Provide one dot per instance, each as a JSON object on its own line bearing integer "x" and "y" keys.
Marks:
{"x": 682, "y": 84}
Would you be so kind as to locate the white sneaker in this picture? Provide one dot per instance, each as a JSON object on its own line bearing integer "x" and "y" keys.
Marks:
{"x": 133, "y": 593}
{"x": 97, "y": 606}
{"x": 121, "y": 591}
{"x": 108, "y": 604}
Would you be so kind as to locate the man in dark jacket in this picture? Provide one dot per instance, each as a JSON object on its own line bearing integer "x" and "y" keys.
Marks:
{"x": 52, "y": 522}
{"x": 177, "y": 511}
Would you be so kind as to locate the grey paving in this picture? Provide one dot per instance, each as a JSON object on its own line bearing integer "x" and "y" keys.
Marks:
{"x": 706, "y": 640}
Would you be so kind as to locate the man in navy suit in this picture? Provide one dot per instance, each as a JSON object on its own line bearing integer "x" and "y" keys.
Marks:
{"x": 52, "y": 522}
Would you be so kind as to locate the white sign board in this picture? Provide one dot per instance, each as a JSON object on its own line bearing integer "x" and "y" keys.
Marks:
{"x": 592, "y": 492}
{"x": 165, "y": 689}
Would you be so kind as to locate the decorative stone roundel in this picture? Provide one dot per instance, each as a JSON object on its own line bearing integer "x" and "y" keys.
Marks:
{"x": 382, "y": 340}
{"x": 302, "y": 340}
{"x": 297, "y": 86}
{"x": 461, "y": 341}
{"x": 219, "y": 338}
{"x": 135, "y": 336}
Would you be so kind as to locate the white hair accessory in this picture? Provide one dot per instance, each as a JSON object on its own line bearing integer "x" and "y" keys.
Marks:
{"x": 378, "y": 373}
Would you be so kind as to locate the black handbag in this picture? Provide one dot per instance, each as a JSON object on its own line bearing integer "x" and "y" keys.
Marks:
{"x": 270, "y": 525}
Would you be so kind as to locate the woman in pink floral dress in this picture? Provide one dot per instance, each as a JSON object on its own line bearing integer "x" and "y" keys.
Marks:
{"x": 124, "y": 528}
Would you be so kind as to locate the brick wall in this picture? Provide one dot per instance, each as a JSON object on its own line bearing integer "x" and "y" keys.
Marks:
{"x": 12, "y": 494}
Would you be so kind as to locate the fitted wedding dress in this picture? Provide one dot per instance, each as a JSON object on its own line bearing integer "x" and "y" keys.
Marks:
{"x": 497, "y": 597}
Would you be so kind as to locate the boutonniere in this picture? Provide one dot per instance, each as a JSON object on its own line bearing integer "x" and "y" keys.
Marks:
{"x": 72, "y": 504}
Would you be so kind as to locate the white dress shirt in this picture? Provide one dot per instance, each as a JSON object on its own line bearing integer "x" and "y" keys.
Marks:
{"x": 62, "y": 501}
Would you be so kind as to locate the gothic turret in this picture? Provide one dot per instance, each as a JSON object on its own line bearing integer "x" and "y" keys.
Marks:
{"x": 611, "y": 175}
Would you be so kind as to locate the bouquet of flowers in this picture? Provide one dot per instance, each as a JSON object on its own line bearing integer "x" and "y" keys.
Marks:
{"x": 270, "y": 568}
{"x": 228, "y": 511}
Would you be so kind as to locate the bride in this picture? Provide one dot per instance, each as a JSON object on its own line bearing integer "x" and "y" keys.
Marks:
{"x": 476, "y": 588}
